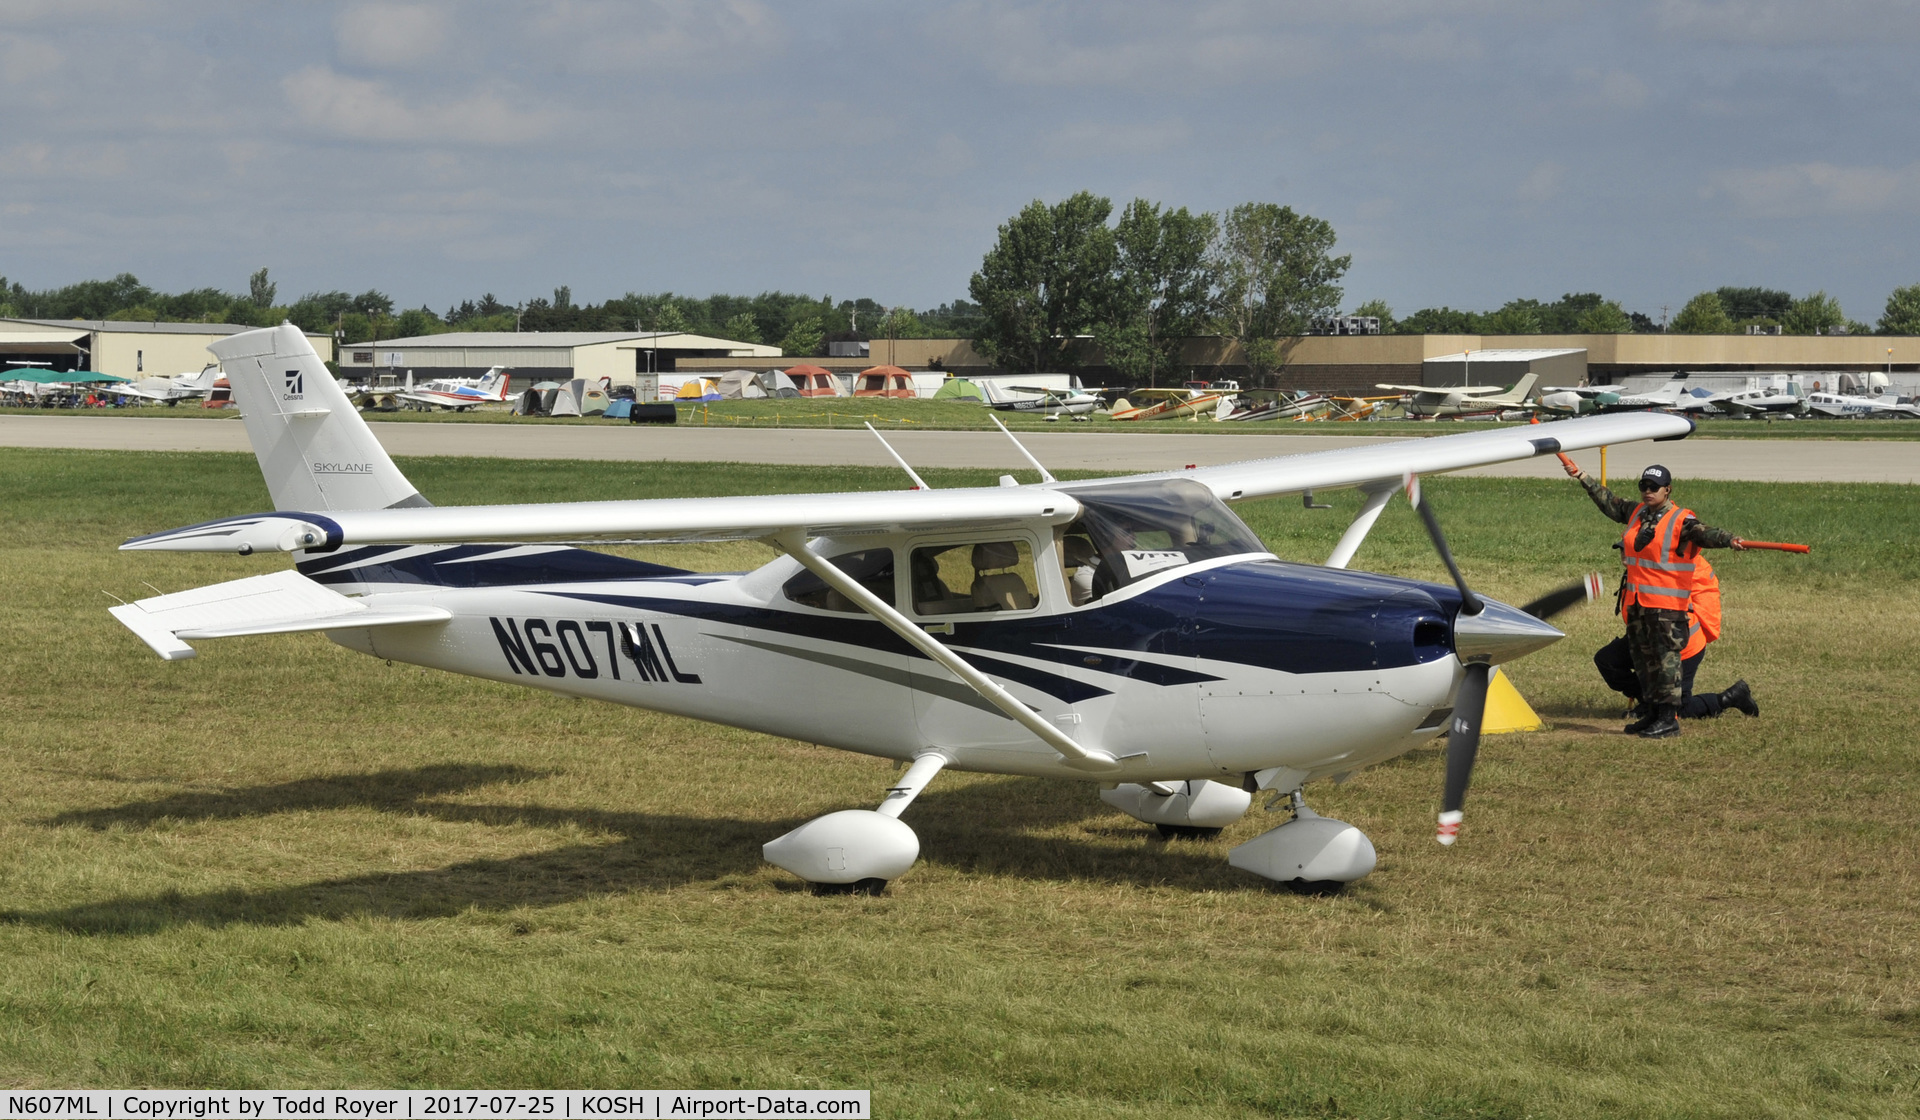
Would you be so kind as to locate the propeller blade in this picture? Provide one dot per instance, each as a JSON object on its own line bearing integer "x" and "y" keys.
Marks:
{"x": 1469, "y": 602}
{"x": 1585, "y": 590}
{"x": 1463, "y": 744}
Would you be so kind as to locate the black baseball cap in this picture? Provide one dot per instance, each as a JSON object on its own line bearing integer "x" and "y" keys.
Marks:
{"x": 1655, "y": 477}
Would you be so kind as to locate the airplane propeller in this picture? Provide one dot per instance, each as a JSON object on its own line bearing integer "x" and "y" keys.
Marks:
{"x": 1484, "y": 634}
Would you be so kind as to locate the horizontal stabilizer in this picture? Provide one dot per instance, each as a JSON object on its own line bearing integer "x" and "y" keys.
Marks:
{"x": 280, "y": 603}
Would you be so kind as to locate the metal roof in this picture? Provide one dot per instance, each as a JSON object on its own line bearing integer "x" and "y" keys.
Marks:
{"x": 1504, "y": 355}
{"x": 19, "y": 341}
{"x": 116, "y": 326}
{"x": 551, "y": 340}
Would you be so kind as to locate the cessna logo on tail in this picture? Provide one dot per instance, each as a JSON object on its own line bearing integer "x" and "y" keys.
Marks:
{"x": 296, "y": 386}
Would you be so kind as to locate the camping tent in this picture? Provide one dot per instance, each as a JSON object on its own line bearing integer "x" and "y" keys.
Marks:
{"x": 697, "y": 389}
{"x": 813, "y": 381}
{"x": 777, "y": 384}
{"x": 959, "y": 389}
{"x": 740, "y": 384}
{"x": 884, "y": 381}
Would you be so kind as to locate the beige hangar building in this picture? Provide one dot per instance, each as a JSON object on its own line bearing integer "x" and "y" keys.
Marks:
{"x": 123, "y": 349}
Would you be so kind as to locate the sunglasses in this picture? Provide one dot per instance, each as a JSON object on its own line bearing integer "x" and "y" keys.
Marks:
{"x": 1646, "y": 486}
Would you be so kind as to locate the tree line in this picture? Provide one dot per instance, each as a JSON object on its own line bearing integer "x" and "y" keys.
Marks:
{"x": 1060, "y": 288}
{"x": 801, "y": 325}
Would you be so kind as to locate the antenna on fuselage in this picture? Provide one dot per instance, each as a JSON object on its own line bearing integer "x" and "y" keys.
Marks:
{"x": 918, "y": 482}
{"x": 1045, "y": 475}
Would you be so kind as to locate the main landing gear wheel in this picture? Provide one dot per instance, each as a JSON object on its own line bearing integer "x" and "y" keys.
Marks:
{"x": 871, "y": 888}
{"x": 1186, "y": 832}
{"x": 857, "y": 851}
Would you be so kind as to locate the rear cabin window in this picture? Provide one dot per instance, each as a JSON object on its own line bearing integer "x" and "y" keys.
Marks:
{"x": 871, "y": 568}
{"x": 973, "y": 578}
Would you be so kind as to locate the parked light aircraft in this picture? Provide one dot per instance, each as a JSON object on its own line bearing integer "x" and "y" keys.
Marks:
{"x": 1757, "y": 402}
{"x": 1839, "y": 405}
{"x": 170, "y": 390}
{"x": 1130, "y": 632}
{"x": 1462, "y": 400}
{"x": 458, "y": 393}
{"x": 1075, "y": 404}
{"x": 1580, "y": 400}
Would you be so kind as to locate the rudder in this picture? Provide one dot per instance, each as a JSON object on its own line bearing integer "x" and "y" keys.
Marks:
{"x": 315, "y": 450}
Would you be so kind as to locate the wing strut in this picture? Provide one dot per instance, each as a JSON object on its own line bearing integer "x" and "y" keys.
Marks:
{"x": 794, "y": 544}
{"x": 1045, "y": 475}
{"x": 918, "y": 482}
{"x": 1362, "y": 525}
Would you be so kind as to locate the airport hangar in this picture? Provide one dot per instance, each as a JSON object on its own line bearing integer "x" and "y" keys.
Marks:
{"x": 1355, "y": 363}
{"x": 623, "y": 357}
{"x": 124, "y": 349}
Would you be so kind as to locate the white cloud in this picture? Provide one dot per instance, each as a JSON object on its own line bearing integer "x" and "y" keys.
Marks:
{"x": 1624, "y": 90}
{"x": 1096, "y": 139}
{"x": 24, "y": 59}
{"x": 1542, "y": 184}
{"x": 679, "y": 35}
{"x": 391, "y": 34}
{"x": 364, "y": 110}
{"x": 1819, "y": 189}
{"x": 1790, "y": 22}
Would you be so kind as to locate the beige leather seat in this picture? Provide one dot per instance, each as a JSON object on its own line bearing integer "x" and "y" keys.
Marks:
{"x": 999, "y": 590}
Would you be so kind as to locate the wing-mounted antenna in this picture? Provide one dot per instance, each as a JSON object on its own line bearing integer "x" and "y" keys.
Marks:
{"x": 1045, "y": 475}
{"x": 918, "y": 482}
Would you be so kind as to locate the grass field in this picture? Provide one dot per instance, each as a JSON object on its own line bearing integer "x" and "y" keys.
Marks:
{"x": 284, "y": 864}
{"x": 889, "y": 415}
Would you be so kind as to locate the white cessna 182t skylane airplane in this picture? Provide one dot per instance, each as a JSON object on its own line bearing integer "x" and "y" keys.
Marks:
{"x": 1183, "y": 668}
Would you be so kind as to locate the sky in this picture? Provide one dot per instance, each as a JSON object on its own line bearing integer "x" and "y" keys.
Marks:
{"x": 1466, "y": 152}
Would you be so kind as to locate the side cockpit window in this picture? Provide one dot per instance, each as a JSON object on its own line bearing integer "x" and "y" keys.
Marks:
{"x": 969, "y": 578}
{"x": 871, "y": 568}
{"x": 1129, "y": 531}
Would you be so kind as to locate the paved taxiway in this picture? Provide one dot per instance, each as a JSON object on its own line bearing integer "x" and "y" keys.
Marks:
{"x": 1763, "y": 460}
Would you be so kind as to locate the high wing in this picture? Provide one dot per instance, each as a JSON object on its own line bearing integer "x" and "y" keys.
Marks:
{"x": 1406, "y": 388}
{"x": 1446, "y": 390}
{"x": 659, "y": 520}
{"x": 1371, "y": 467}
{"x": 819, "y": 515}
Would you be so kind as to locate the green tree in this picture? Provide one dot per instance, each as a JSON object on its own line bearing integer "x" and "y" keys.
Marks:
{"x": 1439, "y": 320}
{"x": 419, "y": 321}
{"x": 668, "y": 317}
{"x": 373, "y": 302}
{"x": 260, "y": 289}
{"x": 1378, "y": 309}
{"x": 1605, "y": 318}
{"x": 741, "y": 328}
{"x": 1276, "y": 273}
{"x": 1703, "y": 314}
{"x": 1818, "y": 313}
{"x": 1745, "y": 305}
{"x": 1903, "y": 311}
{"x": 1046, "y": 280}
{"x": 1517, "y": 316}
{"x": 900, "y": 322}
{"x": 803, "y": 339}
{"x": 1162, "y": 289}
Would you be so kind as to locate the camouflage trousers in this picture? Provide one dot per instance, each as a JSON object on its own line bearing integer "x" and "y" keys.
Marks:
{"x": 1656, "y": 637}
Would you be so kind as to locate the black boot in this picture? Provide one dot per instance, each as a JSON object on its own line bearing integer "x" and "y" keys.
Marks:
{"x": 1647, "y": 714}
{"x": 1740, "y": 697}
{"x": 1663, "y": 725}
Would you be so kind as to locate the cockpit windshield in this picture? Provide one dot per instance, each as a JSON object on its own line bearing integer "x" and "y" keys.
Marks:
{"x": 1130, "y": 530}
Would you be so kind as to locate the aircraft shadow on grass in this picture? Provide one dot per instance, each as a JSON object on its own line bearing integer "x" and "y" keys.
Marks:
{"x": 985, "y": 828}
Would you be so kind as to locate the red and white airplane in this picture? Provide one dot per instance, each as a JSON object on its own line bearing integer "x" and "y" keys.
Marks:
{"x": 459, "y": 393}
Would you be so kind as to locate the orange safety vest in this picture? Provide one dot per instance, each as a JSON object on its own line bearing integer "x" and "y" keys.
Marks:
{"x": 1661, "y": 574}
{"x": 1703, "y": 609}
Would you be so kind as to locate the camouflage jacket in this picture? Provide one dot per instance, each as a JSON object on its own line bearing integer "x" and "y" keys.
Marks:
{"x": 1619, "y": 509}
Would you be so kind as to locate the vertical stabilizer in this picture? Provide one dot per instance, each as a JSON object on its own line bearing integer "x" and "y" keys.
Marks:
{"x": 314, "y": 449}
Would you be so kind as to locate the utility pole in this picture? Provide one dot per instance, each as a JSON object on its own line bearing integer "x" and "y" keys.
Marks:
{"x": 1663, "y": 318}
